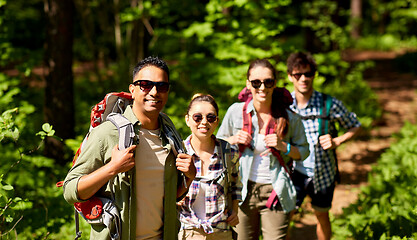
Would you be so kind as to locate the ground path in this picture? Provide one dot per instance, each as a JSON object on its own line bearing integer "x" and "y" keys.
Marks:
{"x": 398, "y": 98}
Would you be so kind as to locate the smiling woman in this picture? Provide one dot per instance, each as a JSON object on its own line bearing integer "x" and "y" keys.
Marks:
{"x": 278, "y": 135}
{"x": 210, "y": 207}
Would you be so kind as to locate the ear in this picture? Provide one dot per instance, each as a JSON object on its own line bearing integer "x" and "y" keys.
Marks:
{"x": 187, "y": 119}
{"x": 248, "y": 84}
{"x": 131, "y": 89}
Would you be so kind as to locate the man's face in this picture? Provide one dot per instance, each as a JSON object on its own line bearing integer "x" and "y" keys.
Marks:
{"x": 149, "y": 101}
{"x": 302, "y": 78}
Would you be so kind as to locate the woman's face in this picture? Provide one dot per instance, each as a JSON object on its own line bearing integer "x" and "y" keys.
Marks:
{"x": 262, "y": 93}
{"x": 202, "y": 119}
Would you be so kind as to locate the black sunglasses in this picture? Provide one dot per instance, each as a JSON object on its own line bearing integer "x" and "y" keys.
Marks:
{"x": 147, "y": 85}
{"x": 306, "y": 74}
{"x": 198, "y": 117}
{"x": 267, "y": 82}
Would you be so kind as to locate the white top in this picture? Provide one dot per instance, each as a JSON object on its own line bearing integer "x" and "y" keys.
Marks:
{"x": 260, "y": 172}
{"x": 199, "y": 205}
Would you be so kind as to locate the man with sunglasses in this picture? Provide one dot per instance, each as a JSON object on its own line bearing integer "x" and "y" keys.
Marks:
{"x": 145, "y": 179}
{"x": 316, "y": 175}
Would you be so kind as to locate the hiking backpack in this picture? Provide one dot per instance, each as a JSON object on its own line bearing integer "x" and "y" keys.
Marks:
{"x": 228, "y": 163}
{"x": 98, "y": 210}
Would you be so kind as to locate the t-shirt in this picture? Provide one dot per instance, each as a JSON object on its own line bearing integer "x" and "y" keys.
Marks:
{"x": 150, "y": 158}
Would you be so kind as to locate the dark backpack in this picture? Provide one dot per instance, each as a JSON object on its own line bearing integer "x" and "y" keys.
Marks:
{"x": 225, "y": 148}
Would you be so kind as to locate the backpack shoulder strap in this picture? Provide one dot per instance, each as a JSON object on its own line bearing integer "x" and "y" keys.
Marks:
{"x": 225, "y": 149}
{"x": 172, "y": 134}
{"x": 247, "y": 124}
{"x": 125, "y": 128}
{"x": 325, "y": 106}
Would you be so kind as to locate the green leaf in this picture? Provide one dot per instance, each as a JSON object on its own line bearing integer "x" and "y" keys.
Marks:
{"x": 8, "y": 187}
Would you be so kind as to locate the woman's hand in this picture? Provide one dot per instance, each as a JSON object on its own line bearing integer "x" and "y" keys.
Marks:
{"x": 242, "y": 137}
{"x": 233, "y": 219}
{"x": 272, "y": 140}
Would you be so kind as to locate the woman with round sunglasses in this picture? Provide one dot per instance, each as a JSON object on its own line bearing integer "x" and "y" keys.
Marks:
{"x": 210, "y": 208}
{"x": 268, "y": 195}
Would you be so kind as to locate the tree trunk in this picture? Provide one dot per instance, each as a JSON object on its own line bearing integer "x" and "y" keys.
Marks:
{"x": 59, "y": 102}
{"x": 355, "y": 18}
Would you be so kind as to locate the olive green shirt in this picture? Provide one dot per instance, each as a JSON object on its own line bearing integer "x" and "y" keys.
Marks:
{"x": 96, "y": 152}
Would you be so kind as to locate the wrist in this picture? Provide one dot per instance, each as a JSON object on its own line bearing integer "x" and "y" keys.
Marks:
{"x": 288, "y": 149}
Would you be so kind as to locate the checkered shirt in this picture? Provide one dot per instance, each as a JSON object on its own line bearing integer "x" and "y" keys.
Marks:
{"x": 215, "y": 199}
{"x": 323, "y": 161}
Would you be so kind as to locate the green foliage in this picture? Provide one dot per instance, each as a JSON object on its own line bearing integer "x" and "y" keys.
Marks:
{"x": 386, "y": 208}
{"x": 345, "y": 81}
{"x": 388, "y": 25}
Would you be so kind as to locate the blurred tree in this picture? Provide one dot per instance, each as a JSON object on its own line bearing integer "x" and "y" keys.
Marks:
{"x": 355, "y": 18}
{"x": 59, "y": 103}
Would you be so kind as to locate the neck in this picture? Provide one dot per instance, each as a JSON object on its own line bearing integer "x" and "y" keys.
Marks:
{"x": 303, "y": 98}
{"x": 148, "y": 121}
{"x": 202, "y": 145}
{"x": 264, "y": 107}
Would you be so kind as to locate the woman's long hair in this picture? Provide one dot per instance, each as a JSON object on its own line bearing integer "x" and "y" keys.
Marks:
{"x": 281, "y": 99}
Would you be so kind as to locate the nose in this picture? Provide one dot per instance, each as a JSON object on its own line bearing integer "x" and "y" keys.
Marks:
{"x": 153, "y": 90}
{"x": 204, "y": 120}
{"x": 262, "y": 87}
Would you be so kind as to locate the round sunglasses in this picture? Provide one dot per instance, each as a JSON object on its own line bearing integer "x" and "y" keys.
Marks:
{"x": 268, "y": 83}
{"x": 297, "y": 76}
{"x": 147, "y": 85}
{"x": 198, "y": 117}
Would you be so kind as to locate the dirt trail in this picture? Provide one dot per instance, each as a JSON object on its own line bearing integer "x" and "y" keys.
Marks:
{"x": 398, "y": 98}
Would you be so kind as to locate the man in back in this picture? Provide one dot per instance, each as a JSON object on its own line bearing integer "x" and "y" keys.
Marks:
{"x": 144, "y": 179}
{"x": 316, "y": 175}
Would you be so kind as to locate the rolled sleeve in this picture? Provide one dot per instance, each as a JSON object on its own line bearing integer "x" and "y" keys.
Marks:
{"x": 232, "y": 121}
{"x": 95, "y": 152}
{"x": 346, "y": 119}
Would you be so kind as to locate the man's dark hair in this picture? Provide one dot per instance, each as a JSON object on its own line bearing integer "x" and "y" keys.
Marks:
{"x": 151, "y": 61}
{"x": 300, "y": 60}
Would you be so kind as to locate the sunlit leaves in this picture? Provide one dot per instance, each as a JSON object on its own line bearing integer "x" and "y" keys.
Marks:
{"x": 386, "y": 209}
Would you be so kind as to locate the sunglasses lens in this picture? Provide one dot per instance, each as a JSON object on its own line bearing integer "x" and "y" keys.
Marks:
{"x": 297, "y": 75}
{"x": 197, "y": 117}
{"x": 256, "y": 83}
{"x": 145, "y": 85}
{"x": 211, "y": 118}
{"x": 269, "y": 83}
{"x": 162, "y": 87}
{"x": 309, "y": 74}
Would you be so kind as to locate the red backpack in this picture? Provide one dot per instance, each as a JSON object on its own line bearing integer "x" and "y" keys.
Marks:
{"x": 281, "y": 94}
{"x": 102, "y": 210}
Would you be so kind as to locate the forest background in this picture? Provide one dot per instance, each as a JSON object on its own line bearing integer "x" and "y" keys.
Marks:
{"x": 60, "y": 57}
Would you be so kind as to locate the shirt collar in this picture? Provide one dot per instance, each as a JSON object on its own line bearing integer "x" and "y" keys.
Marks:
{"x": 313, "y": 100}
{"x": 190, "y": 150}
{"x": 130, "y": 115}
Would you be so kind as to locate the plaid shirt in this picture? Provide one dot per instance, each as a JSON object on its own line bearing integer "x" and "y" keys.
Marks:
{"x": 322, "y": 162}
{"x": 215, "y": 199}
